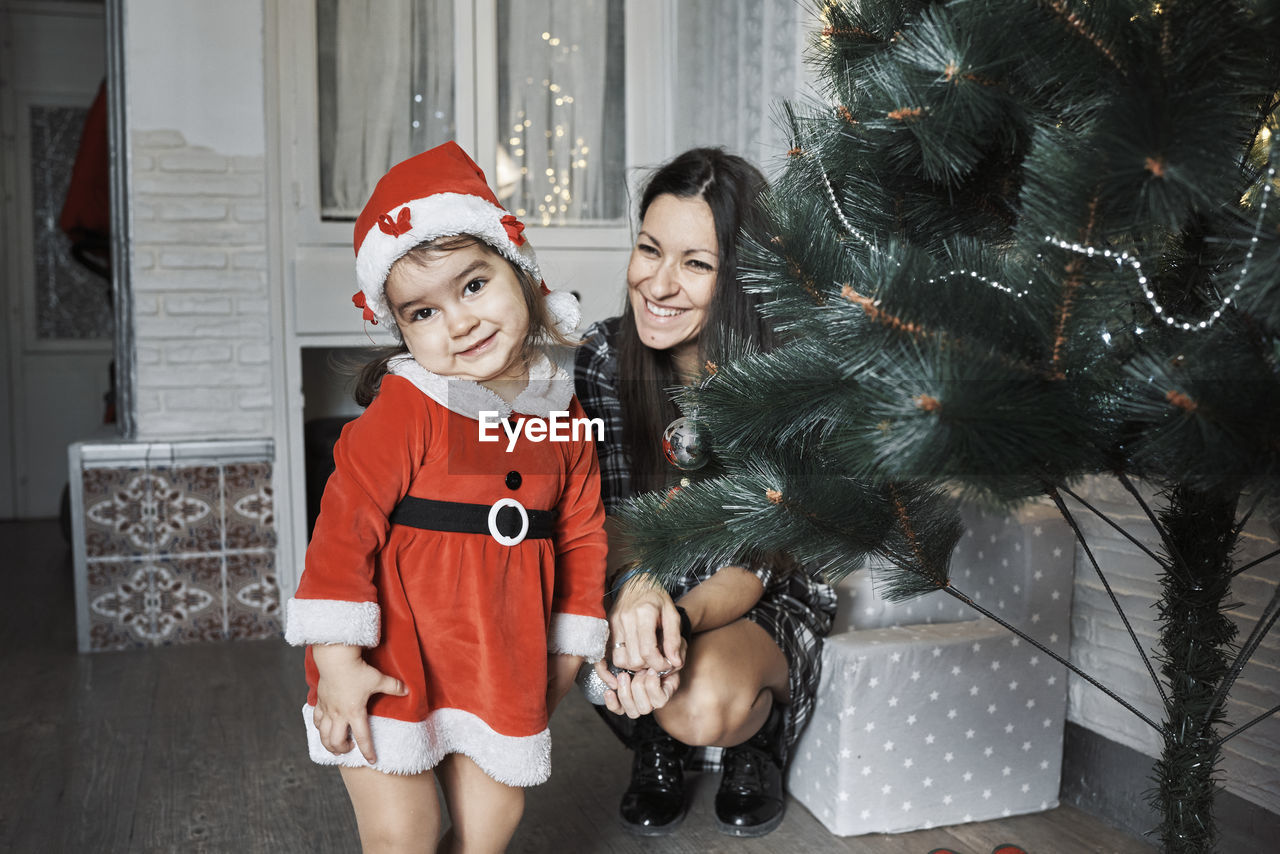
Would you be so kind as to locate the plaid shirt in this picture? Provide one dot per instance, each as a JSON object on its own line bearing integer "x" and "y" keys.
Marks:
{"x": 596, "y": 384}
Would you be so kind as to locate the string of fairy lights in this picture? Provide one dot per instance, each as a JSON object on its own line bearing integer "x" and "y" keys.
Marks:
{"x": 862, "y": 238}
{"x": 558, "y": 196}
{"x": 1121, "y": 258}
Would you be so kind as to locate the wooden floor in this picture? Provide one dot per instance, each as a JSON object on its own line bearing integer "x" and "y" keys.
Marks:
{"x": 200, "y": 748}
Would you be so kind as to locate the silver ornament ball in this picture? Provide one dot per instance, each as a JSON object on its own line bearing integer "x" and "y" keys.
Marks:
{"x": 683, "y": 446}
{"x": 592, "y": 686}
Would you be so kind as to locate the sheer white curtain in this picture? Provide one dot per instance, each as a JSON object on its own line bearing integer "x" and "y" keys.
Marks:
{"x": 736, "y": 61}
{"x": 561, "y": 110}
{"x": 386, "y": 89}
{"x": 385, "y": 74}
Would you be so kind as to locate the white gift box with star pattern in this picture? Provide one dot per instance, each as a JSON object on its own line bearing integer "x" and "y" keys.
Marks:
{"x": 930, "y": 714}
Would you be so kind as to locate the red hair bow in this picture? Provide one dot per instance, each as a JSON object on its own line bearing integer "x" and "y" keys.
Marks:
{"x": 398, "y": 226}
{"x": 361, "y": 302}
{"x": 514, "y": 228}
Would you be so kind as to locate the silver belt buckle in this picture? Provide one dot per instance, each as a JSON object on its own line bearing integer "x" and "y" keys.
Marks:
{"x": 501, "y": 538}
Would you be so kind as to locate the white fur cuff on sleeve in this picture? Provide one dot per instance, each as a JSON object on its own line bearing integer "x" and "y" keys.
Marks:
{"x": 310, "y": 621}
{"x": 574, "y": 634}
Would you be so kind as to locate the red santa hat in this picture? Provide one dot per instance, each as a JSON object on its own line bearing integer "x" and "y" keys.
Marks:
{"x": 439, "y": 193}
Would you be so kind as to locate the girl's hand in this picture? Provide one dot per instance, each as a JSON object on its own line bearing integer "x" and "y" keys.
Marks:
{"x": 561, "y": 670}
{"x": 644, "y": 610}
{"x": 342, "y": 698}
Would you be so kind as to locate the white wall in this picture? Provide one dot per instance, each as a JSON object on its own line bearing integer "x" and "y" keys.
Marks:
{"x": 196, "y": 67}
{"x": 198, "y": 196}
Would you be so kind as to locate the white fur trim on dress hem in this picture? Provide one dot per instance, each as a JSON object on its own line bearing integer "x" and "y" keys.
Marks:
{"x": 574, "y": 634}
{"x": 308, "y": 621}
{"x": 408, "y": 747}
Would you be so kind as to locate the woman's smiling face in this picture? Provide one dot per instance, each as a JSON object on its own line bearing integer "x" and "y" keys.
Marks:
{"x": 672, "y": 274}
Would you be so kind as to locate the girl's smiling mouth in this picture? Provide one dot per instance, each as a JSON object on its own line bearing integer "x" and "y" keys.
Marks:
{"x": 479, "y": 347}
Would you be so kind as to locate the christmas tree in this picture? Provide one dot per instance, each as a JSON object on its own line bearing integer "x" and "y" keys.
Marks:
{"x": 1016, "y": 244}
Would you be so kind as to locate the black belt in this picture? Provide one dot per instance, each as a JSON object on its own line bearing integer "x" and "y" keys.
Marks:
{"x": 506, "y": 520}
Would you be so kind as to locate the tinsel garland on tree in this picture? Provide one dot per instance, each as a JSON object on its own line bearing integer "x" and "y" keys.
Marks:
{"x": 1017, "y": 243}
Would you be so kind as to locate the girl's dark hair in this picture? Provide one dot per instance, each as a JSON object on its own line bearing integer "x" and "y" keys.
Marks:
{"x": 730, "y": 186}
{"x": 542, "y": 330}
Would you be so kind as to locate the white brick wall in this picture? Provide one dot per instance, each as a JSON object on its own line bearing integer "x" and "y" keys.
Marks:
{"x": 201, "y": 305}
{"x": 1101, "y": 646}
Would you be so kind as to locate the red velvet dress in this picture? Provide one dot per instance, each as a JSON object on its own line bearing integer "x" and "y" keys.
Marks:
{"x": 464, "y": 621}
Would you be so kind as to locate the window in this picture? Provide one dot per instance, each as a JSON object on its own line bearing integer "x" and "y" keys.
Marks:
{"x": 385, "y": 84}
{"x": 561, "y": 108}
{"x": 387, "y": 89}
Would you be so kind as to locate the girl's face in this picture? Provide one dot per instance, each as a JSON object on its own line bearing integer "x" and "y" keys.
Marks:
{"x": 672, "y": 274}
{"x": 461, "y": 314}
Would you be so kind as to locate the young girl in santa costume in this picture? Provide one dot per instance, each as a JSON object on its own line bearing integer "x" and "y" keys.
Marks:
{"x": 453, "y": 585}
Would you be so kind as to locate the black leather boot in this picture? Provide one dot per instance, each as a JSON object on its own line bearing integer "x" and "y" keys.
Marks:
{"x": 751, "y": 800}
{"x": 653, "y": 804}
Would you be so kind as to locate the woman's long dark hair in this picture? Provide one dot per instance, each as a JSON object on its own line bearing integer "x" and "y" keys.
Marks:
{"x": 730, "y": 186}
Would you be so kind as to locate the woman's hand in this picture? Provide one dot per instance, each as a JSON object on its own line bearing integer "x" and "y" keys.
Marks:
{"x": 636, "y": 694}
{"x": 342, "y": 698}
{"x": 644, "y": 628}
{"x": 644, "y": 636}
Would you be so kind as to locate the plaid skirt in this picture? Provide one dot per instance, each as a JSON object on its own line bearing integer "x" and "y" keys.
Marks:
{"x": 797, "y": 614}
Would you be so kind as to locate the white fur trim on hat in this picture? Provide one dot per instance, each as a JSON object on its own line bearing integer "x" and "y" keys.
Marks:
{"x": 564, "y": 310}
{"x": 442, "y": 215}
{"x": 575, "y": 634}
{"x": 438, "y": 215}
{"x": 309, "y": 621}
{"x": 411, "y": 747}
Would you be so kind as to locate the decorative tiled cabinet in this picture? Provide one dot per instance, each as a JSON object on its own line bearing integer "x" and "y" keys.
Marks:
{"x": 173, "y": 543}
